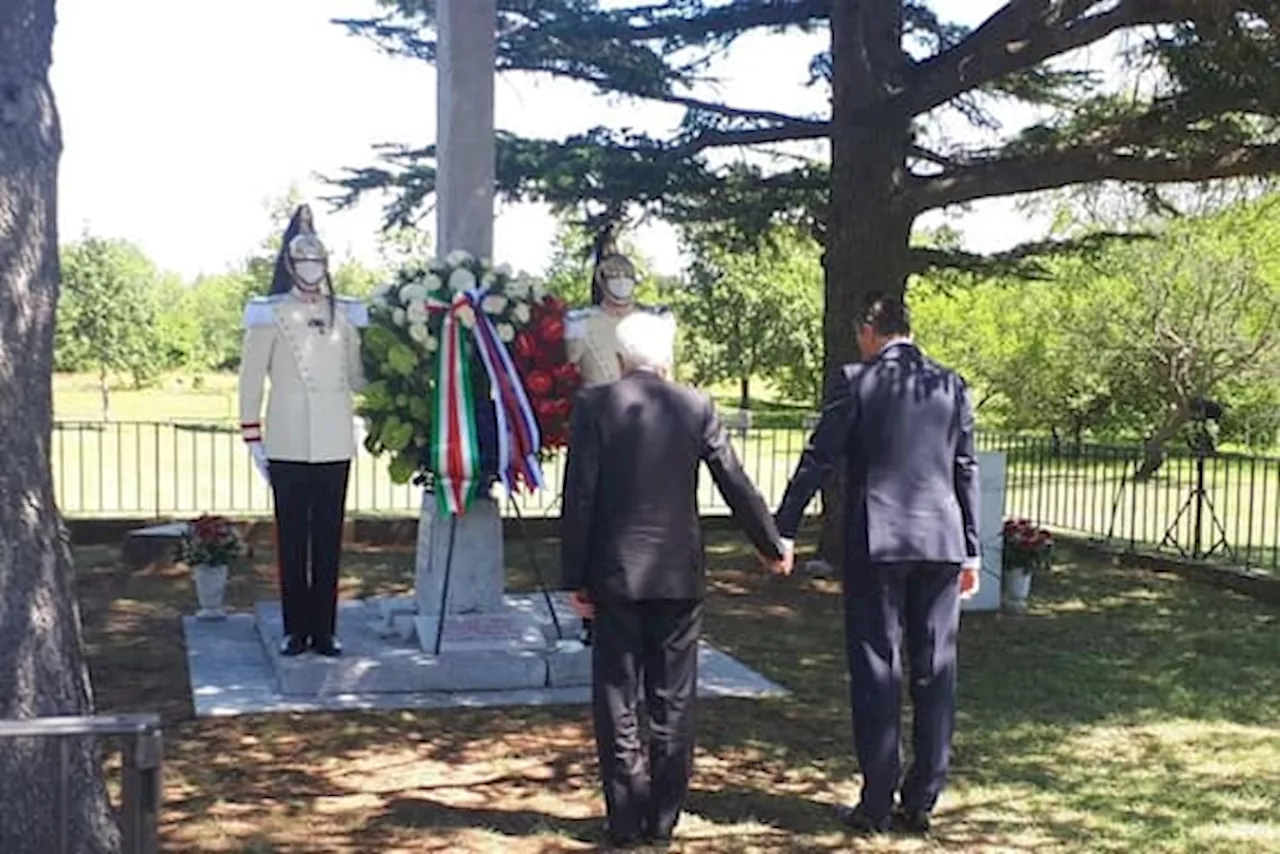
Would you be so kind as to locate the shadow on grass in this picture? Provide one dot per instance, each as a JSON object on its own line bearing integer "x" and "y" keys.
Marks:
{"x": 1127, "y": 711}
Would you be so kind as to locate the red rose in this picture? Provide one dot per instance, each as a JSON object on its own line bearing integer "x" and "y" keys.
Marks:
{"x": 561, "y": 406}
{"x": 546, "y": 359}
{"x": 551, "y": 330}
{"x": 565, "y": 375}
{"x": 526, "y": 345}
{"x": 538, "y": 384}
{"x": 545, "y": 408}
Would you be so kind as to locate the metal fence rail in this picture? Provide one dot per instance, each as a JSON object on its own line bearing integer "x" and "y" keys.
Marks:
{"x": 164, "y": 469}
{"x": 1220, "y": 507}
{"x": 141, "y": 789}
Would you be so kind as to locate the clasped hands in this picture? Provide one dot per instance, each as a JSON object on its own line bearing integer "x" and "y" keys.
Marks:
{"x": 781, "y": 566}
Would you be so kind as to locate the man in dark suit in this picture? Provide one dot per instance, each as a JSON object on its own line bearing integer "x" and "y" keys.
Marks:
{"x": 632, "y": 557}
{"x": 903, "y": 425}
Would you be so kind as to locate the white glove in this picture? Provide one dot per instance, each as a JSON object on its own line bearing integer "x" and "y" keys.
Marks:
{"x": 259, "y": 455}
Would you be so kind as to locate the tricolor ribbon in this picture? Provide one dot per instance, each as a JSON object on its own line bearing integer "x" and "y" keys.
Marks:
{"x": 455, "y": 443}
{"x": 518, "y": 436}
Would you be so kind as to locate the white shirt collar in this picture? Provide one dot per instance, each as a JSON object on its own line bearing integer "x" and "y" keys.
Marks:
{"x": 895, "y": 341}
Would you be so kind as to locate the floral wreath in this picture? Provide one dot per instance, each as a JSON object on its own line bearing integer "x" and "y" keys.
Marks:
{"x": 469, "y": 381}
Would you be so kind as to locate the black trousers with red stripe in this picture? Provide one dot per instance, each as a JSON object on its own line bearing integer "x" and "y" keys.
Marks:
{"x": 310, "y": 501}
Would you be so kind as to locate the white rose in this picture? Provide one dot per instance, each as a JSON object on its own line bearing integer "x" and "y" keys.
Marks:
{"x": 461, "y": 280}
{"x": 457, "y": 258}
{"x": 488, "y": 280}
{"x": 399, "y": 316}
{"x": 431, "y": 343}
{"x": 418, "y": 332}
{"x": 503, "y": 270}
{"x": 522, "y": 313}
{"x": 518, "y": 289}
{"x": 494, "y": 304}
{"x": 537, "y": 292}
{"x": 506, "y": 332}
{"x": 418, "y": 312}
{"x": 406, "y": 294}
{"x": 433, "y": 282}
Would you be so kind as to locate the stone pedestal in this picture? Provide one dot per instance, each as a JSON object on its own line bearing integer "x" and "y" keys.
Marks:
{"x": 512, "y": 648}
{"x": 991, "y": 473}
{"x": 477, "y": 569}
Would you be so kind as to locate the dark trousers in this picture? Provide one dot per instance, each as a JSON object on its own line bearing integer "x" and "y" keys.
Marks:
{"x": 645, "y": 774}
{"x": 882, "y": 602}
{"x": 310, "y": 501}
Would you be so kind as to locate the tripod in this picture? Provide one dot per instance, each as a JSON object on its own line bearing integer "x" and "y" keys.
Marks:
{"x": 1197, "y": 501}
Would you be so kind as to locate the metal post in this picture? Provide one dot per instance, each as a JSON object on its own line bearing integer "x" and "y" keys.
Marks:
{"x": 448, "y": 571}
{"x": 63, "y": 814}
{"x": 537, "y": 569}
{"x": 142, "y": 793}
{"x": 1196, "y": 542}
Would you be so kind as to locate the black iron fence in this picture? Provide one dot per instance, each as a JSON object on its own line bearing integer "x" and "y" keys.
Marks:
{"x": 142, "y": 760}
{"x": 1217, "y": 507}
{"x": 1221, "y": 507}
{"x": 166, "y": 469}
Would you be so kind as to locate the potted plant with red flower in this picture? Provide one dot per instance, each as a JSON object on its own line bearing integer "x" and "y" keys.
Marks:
{"x": 1027, "y": 549}
{"x": 209, "y": 545}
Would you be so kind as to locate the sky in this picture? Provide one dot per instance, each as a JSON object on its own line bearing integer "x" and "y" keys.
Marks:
{"x": 183, "y": 121}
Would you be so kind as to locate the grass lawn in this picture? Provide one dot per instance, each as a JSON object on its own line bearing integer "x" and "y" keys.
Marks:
{"x": 1128, "y": 712}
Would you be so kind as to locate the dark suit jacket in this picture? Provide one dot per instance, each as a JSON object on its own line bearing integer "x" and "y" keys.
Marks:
{"x": 904, "y": 427}
{"x": 629, "y": 528}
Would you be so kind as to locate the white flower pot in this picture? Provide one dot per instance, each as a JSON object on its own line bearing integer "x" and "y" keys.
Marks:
{"x": 211, "y": 588}
{"x": 1017, "y": 589}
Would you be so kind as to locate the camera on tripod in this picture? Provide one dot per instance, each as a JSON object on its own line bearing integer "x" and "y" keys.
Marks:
{"x": 1205, "y": 415}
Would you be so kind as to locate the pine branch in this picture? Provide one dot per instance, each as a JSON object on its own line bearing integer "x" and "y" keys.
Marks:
{"x": 1025, "y": 33}
{"x": 1021, "y": 262}
{"x": 1084, "y": 165}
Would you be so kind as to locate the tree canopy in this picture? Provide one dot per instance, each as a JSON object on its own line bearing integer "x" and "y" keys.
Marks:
{"x": 1193, "y": 101}
{"x": 1203, "y": 110}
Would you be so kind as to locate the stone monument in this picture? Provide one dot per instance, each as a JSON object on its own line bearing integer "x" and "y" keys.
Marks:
{"x": 459, "y": 602}
{"x": 991, "y": 478}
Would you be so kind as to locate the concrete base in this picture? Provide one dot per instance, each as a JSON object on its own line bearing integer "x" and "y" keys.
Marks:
{"x": 372, "y": 663}
{"x": 234, "y": 668}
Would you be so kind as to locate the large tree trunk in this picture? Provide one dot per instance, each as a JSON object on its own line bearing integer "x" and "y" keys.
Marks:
{"x": 42, "y": 667}
{"x": 869, "y": 230}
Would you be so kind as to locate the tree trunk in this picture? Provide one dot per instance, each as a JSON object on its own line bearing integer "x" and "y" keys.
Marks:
{"x": 869, "y": 229}
{"x": 42, "y": 667}
{"x": 744, "y": 386}
{"x": 1153, "y": 448}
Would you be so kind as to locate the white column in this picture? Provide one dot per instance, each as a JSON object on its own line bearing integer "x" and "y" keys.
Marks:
{"x": 465, "y": 145}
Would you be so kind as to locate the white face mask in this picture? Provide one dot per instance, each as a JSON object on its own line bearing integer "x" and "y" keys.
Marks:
{"x": 309, "y": 273}
{"x": 620, "y": 289}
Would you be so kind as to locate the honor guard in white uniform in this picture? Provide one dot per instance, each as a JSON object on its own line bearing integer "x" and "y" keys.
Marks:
{"x": 306, "y": 340}
{"x": 591, "y": 340}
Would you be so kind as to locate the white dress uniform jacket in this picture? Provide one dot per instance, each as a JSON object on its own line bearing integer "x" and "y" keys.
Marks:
{"x": 591, "y": 341}
{"x": 314, "y": 368}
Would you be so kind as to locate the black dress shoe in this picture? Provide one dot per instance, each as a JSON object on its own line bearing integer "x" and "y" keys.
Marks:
{"x": 327, "y": 645}
{"x": 624, "y": 843}
{"x": 913, "y": 821}
{"x": 858, "y": 820}
{"x": 292, "y": 645}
